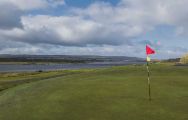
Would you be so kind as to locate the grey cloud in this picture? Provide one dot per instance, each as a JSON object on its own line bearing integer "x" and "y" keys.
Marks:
{"x": 9, "y": 16}
{"x": 11, "y": 11}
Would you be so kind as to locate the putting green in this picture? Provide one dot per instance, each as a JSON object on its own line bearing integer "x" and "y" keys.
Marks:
{"x": 118, "y": 93}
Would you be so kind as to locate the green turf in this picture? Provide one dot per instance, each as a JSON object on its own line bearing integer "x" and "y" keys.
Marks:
{"x": 9, "y": 80}
{"x": 118, "y": 93}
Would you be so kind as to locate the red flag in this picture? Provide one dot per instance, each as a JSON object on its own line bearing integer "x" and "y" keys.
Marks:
{"x": 149, "y": 50}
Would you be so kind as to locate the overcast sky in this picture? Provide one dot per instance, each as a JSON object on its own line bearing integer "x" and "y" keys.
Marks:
{"x": 94, "y": 27}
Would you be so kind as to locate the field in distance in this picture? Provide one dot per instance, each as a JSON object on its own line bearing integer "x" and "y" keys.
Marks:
{"x": 117, "y": 93}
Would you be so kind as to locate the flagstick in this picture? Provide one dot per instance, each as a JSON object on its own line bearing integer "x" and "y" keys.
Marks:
{"x": 148, "y": 52}
{"x": 149, "y": 86}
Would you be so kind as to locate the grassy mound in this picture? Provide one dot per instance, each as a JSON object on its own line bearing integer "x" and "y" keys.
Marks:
{"x": 118, "y": 93}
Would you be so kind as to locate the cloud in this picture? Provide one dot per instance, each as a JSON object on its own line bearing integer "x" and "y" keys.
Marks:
{"x": 67, "y": 31}
{"x": 100, "y": 25}
{"x": 32, "y": 4}
{"x": 79, "y": 29}
{"x": 12, "y": 10}
{"x": 166, "y": 12}
{"x": 9, "y": 17}
{"x": 55, "y": 3}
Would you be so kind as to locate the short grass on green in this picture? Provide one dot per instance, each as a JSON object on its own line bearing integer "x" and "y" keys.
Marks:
{"x": 118, "y": 93}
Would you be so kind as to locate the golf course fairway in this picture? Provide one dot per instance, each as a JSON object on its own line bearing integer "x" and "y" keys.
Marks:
{"x": 116, "y": 93}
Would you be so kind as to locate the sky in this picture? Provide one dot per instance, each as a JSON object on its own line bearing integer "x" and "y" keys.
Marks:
{"x": 94, "y": 27}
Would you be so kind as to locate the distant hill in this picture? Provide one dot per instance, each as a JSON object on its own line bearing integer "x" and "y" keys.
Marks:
{"x": 172, "y": 60}
{"x": 66, "y": 58}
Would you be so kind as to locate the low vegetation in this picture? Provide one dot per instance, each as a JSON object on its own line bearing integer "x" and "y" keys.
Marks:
{"x": 184, "y": 59}
{"x": 118, "y": 93}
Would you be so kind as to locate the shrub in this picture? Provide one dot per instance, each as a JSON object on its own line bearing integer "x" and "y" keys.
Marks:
{"x": 184, "y": 59}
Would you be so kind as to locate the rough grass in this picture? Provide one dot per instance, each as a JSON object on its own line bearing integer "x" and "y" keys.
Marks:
{"x": 118, "y": 93}
{"x": 9, "y": 80}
